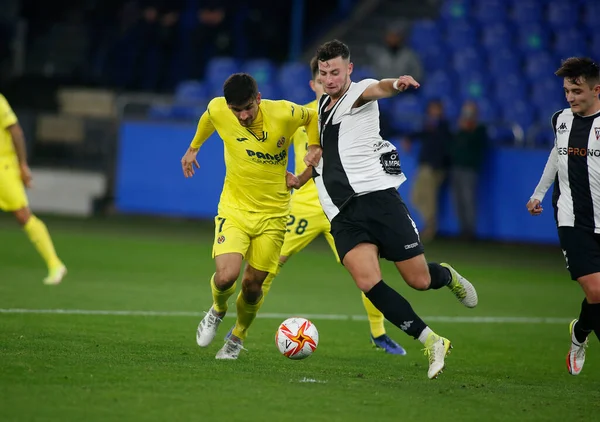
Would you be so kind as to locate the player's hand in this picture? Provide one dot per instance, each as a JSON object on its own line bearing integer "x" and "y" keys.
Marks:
{"x": 534, "y": 207}
{"x": 26, "y": 175}
{"x": 313, "y": 155}
{"x": 292, "y": 181}
{"x": 189, "y": 161}
{"x": 406, "y": 81}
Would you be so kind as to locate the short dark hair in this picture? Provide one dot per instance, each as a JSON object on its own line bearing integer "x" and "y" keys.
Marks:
{"x": 582, "y": 69}
{"x": 239, "y": 89}
{"x": 331, "y": 50}
{"x": 314, "y": 67}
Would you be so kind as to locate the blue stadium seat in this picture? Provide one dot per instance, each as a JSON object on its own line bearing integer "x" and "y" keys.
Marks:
{"x": 362, "y": 72}
{"x": 488, "y": 111}
{"x": 490, "y": 11}
{"x": 461, "y": 34}
{"x": 293, "y": 73}
{"x": 500, "y": 133}
{"x": 590, "y": 13}
{"x": 559, "y": 13}
{"x": 217, "y": 71}
{"x": 263, "y": 70}
{"x": 434, "y": 57}
{"x": 455, "y": 9}
{"x": 299, "y": 93}
{"x": 504, "y": 62}
{"x": 519, "y": 112}
{"x": 533, "y": 38}
{"x": 270, "y": 91}
{"x": 509, "y": 88}
{"x": 191, "y": 91}
{"x": 570, "y": 42}
{"x": 437, "y": 85}
{"x": 407, "y": 113}
{"x": 473, "y": 85}
{"x": 540, "y": 65}
{"x": 468, "y": 59}
{"x": 527, "y": 11}
{"x": 547, "y": 90}
{"x": 497, "y": 35}
{"x": 424, "y": 33}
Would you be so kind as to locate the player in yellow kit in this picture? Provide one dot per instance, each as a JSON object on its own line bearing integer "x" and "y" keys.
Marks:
{"x": 255, "y": 201}
{"x": 15, "y": 176}
{"x": 307, "y": 221}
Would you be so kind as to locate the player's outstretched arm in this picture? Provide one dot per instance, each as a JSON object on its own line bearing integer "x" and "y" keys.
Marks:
{"x": 386, "y": 88}
{"x": 534, "y": 204}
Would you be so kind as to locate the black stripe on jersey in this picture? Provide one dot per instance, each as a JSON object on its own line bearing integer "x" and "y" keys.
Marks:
{"x": 334, "y": 176}
{"x": 579, "y": 178}
{"x": 556, "y": 191}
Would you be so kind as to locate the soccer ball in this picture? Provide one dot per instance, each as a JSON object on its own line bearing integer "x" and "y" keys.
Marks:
{"x": 297, "y": 338}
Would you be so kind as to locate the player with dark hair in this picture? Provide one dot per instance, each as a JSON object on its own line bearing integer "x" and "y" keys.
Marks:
{"x": 574, "y": 168}
{"x": 254, "y": 204}
{"x": 357, "y": 174}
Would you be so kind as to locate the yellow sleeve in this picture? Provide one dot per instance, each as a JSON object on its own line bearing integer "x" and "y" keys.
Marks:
{"x": 7, "y": 116}
{"x": 303, "y": 116}
{"x": 204, "y": 130}
{"x": 312, "y": 128}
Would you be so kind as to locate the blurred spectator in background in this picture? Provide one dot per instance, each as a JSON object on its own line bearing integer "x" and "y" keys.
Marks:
{"x": 157, "y": 32}
{"x": 395, "y": 57}
{"x": 467, "y": 153}
{"x": 433, "y": 162}
{"x": 211, "y": 36}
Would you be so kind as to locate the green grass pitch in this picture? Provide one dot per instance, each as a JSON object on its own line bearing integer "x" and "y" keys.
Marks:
{"x": 121, "y": 366}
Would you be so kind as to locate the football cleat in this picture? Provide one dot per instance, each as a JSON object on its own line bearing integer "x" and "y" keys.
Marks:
{"x": 207, "y": 329}
{"x": 231, "y": 349}
{"x": 385, "y": 343}
{"x": 55, "y": 275}
{"x": 576, "y": 355}
{"x": 436, "y": 349}
{"x": 462, "y": 288}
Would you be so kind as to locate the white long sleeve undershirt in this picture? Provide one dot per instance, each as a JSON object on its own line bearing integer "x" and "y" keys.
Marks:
{"x": 548, "y": 176}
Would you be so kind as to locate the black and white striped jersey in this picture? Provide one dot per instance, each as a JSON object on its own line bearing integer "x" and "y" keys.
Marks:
{"x": 355, "y": 160}
{"x": 574, "y": 167}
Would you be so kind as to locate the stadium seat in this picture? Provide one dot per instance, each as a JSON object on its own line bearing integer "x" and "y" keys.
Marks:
{"x": 362, "y": 72}
{"x": 263, "y": 70}
{"x": 473, "y": 85}
{"x": 424, "y": 33}
{"x": 558, "y": 13}
{"x": 533, "y": 38}
{"x": 455, "y": 9}
{"x": 509, "y": 88}
{"x": 461, "y": 34}
{"x": 191, "y": 91}
{"x": 519, "y": 112}
{"x": 527, "y": 12}
{"x": 468, "y": 60}
{"x": 590, "y": 13}
{"x": 569, "y": 43}
{"x": 437, "y": 85}
{"x": 497, "y": 36}
{"x": 293, "y": 73}
{"x": 488, "y": 112}
{"x": 270, "y": 91}
{"x": 434, "y": 57}
{"x": 539, "y": 65}
{"x": 490, "y": 11}
{"x": 504, "y": 62}
{"x": 407, "y": 113}
{"x": 217, "y": 70}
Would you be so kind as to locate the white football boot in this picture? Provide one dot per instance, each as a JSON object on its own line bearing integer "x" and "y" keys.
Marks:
{"x": 576, "y": 355}
{"x": 462, "y": 288}
{"x": 231, "y": 349}
{"x": 207, "y": 329}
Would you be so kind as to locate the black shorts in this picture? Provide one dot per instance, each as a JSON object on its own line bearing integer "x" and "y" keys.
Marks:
{"x": 380, "y": 218}
{"x": 581, "y": 249}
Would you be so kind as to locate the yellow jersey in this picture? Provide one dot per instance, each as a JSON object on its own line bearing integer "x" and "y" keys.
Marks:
{"x": 256, "y": 157}
{"x": 307, "y": 195}
{"x": 7, "y": 119}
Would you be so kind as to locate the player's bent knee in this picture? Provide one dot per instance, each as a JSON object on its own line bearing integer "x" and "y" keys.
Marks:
{"x": 591, "y": 287}
{"x": 23, "y": 215}
{"x": 418, "y": 281}
{"x": 365, "y": 285}
{"x": 225, "y": 279}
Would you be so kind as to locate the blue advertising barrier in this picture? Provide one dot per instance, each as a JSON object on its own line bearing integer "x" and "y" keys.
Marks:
{"x": 149, "y": 180}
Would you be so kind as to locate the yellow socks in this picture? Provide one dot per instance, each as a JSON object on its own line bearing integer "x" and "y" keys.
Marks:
{"x": 246, "y": 312}
{"x": 38, "y": 235}
{"x": 266, "y": 286}
{"x": 376, "y": 318}
{"x": 220, "y": 296}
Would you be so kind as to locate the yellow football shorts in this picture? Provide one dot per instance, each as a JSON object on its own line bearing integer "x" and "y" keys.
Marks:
{"x": 257, "y": 236}
{"x": 12, "y": 190}
{"x": 303, "y": 226}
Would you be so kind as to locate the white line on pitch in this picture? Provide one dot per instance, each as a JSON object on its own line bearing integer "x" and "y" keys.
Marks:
{"x": 332, "y": 317}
